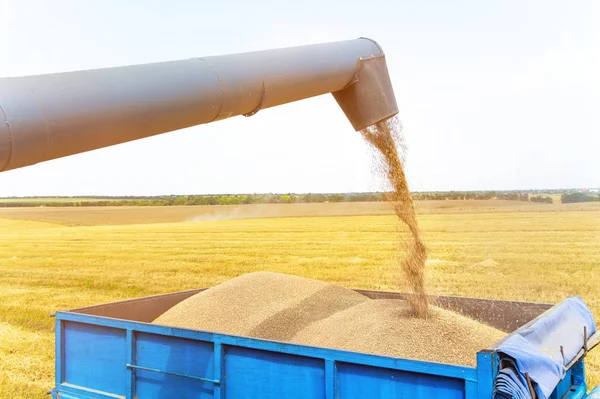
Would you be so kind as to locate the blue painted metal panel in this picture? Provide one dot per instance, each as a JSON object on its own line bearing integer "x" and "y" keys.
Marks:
{"x": 471, "y": 390}
{"x": 55, "y": 395}
{"x": 173, "y": 355}
{"x": 358, "y": 381}
{"x": 257, "y": 374}
{"x": 331, "y": 380}
{"x": 573, "y": 386}
{"x": 95, "y": 358}
{"x": 485, "y": 374}
{"x": 578, "y": 373}
{"x": 151, "y": 361}
{"x": 445, "y": 370}
{"x": 130, "y": 358}
{"x": 563, "y": 386}
{"x": 59, "y": 352}
{"x": 576, "y": 392}
{"x": 219, "y": 359}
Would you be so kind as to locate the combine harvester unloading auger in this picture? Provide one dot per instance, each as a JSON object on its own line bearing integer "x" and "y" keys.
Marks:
{"x": 113, "y": 350}
{"x": 52, "y": 116}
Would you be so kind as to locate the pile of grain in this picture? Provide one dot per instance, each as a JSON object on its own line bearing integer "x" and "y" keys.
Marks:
{"x": 262, "y": 304}
{"x": 388, "y": 327}
{"x": 385, "y": 137}
{"x": 287, "y": 308}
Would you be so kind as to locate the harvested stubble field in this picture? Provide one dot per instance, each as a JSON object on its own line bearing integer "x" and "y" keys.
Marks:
{"x": 494, "y": 253}
{"x": 119, "y": 215}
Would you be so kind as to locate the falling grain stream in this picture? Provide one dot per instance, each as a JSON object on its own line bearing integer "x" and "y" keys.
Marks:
{"x": 384, "y": 137}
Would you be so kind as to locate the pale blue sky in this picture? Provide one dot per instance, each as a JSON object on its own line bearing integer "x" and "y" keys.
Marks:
{"x": 493, "y": 95}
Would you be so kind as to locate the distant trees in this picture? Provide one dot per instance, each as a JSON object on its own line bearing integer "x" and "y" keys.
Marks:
{"x": 290, "y": 198}
{"x": 473, "y": 195}
{"x": 578, "y": 197}
{"x": 541, "y": 199}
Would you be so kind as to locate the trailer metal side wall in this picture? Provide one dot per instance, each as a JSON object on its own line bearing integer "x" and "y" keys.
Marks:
{"x": 111, "y": 351}
{"x": 109, "y": 358}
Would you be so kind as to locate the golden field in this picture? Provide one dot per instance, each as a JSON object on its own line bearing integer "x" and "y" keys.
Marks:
{"x": 61, "y": 258}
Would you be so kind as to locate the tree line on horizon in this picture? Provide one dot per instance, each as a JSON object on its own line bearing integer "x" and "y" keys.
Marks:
{"x": 240, "y": 199}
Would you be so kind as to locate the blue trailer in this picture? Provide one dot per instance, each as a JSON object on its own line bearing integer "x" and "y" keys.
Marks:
{"x": 113, "y": 351}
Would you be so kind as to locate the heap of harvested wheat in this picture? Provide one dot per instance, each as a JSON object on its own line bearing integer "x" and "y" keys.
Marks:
{"x": 262, "y": 304}
{"x": 388, "y": 327}
{"x": 287, "y": 308}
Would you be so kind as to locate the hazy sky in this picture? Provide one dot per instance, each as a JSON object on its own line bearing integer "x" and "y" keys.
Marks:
{"x": 492, "y": 95}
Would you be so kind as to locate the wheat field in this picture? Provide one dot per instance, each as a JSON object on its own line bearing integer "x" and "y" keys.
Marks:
{"x": 45, "y": 267}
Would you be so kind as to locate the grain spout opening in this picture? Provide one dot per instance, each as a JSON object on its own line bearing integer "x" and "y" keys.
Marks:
{"x": 5, "y": 141}
{"x": 369, "y": 98}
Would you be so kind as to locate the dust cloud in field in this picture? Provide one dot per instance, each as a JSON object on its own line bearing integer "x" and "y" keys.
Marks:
{"x": 204, "y": 213}
{"x": 386, "y": 138}
{"x": 233, "y": 212}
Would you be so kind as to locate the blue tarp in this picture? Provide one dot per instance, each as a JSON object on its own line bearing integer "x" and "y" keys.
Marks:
{"x": 535, "y": 351}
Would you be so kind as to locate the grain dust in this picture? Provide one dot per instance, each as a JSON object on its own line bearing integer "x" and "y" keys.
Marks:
{"x": 385, "y": 137}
